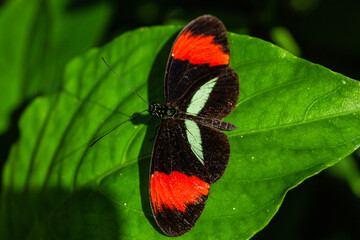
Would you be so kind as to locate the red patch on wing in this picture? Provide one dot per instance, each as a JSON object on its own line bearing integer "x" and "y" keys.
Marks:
{"x": 176, "y": 190}
{"x": 199, "y": 49}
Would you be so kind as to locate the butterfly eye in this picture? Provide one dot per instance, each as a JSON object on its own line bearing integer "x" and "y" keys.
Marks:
{"x": 154, "y": 109}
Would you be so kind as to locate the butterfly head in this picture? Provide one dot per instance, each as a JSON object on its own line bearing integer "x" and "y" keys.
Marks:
{"x": 160, "y": 110}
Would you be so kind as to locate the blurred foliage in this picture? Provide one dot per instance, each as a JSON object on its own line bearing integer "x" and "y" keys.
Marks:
{"x": 283, "y": 38}
{"x": 325, "y": 32}
{"x": 37, "y": 38}
{"x": 347, "y": 170}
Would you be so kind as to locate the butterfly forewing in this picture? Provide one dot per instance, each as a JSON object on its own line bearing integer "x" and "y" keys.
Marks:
{"x": 180, "y": 186}
{"x": 202, "y": 42}
{"x": 177, "y": 196}
{"x": 194, "y": 61}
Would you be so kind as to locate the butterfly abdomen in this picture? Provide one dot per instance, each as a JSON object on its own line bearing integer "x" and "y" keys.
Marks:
{"x": 160, "y": 110}
{"x": 211, "y": 122}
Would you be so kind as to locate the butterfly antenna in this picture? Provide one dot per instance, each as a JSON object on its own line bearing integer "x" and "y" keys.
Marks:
{"x": 124, "y": 82}
{"x": 135, "y": 115}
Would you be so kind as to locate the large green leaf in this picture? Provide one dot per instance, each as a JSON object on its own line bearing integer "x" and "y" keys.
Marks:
{"x": 294, "y": 119}
{"x": 37, "y": 38}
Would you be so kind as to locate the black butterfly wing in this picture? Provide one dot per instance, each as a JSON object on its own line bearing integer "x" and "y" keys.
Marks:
{"x": 179, "y": 181}
{"x": 200, "y": 54}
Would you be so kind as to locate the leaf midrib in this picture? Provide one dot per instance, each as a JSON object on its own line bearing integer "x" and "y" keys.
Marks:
{"x": 289, "y": 125}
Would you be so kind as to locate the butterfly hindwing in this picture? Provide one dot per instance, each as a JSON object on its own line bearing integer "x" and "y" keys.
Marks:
{"x": 221, "y": 99}
{"x": 216, "y": 151}
{"x": 179, "y": 178}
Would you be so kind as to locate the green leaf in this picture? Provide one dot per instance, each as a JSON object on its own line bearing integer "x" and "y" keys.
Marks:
{"x": 294, "y": 119}
{"x": 37, "y": 38}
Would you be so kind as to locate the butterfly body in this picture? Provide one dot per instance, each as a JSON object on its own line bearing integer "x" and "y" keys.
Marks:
{"x": 163, "y": 111}
{"x": 190, "y": 151}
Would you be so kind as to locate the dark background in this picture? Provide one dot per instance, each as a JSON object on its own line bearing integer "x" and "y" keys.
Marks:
{"x": 326, "y": 32}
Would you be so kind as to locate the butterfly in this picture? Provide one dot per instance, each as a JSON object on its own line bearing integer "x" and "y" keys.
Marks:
{"x": 190, "y": 150}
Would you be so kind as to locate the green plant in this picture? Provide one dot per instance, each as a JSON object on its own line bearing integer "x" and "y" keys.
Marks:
{"x": 294, "y": 119}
